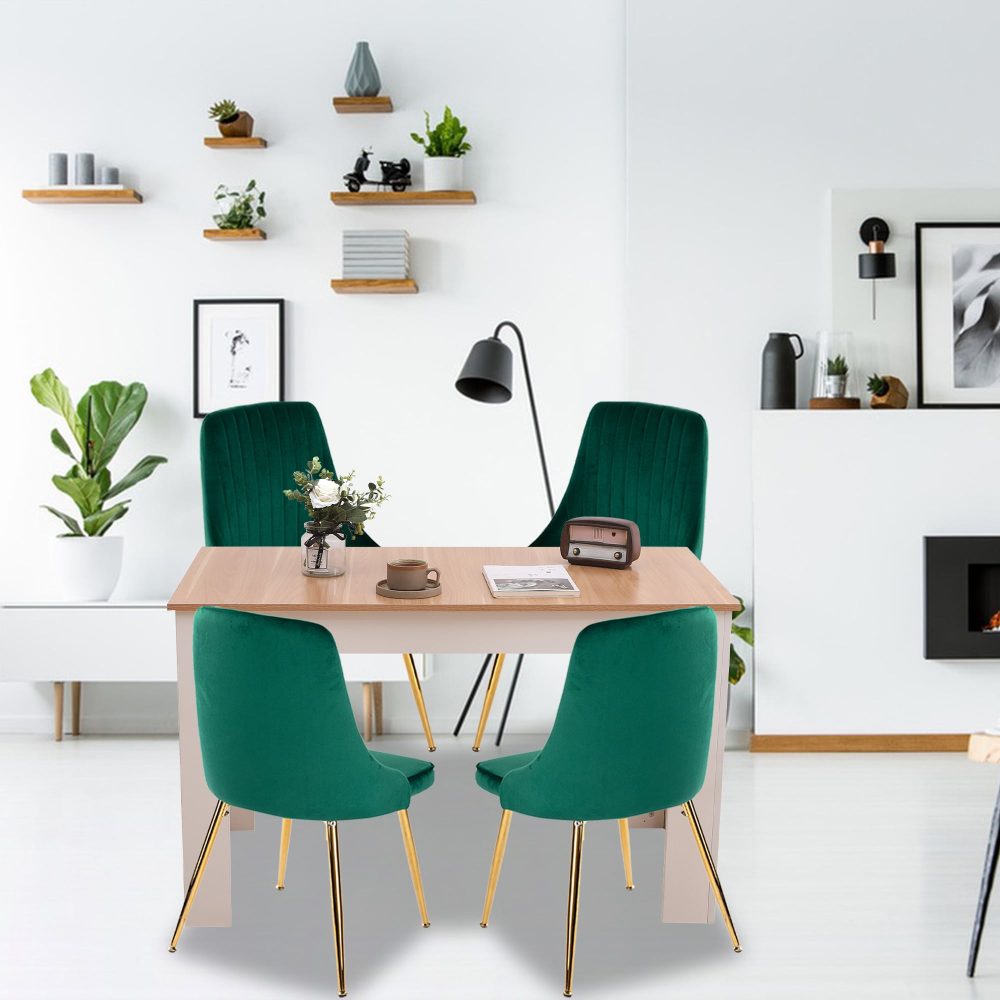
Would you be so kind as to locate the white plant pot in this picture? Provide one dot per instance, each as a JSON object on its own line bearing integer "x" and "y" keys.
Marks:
{"x": 86, "y": 569}
{"x": 442, "y": 173}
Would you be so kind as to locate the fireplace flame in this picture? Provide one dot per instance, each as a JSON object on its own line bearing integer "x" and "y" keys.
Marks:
{"x": 994, "y": 624}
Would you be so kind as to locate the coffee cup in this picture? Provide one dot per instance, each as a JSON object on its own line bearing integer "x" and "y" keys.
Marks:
{"x": 410, "y": 574}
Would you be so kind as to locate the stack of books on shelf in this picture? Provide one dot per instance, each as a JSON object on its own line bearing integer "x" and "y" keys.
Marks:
{"x": 376, "y": 253}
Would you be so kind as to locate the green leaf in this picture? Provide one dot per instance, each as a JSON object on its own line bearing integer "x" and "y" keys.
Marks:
{"x": 60, "y": 442}
{"x": 85, "y": 493}
{"x": 74, "y": 528}
{"x": 49, "y": 391}
{"x": 140, "y": 471}
{"x": 99, "y": 522}
{"x": 737, "y": 668}
{"x": 744, "y": 632}
{"x": 116, "y": 408}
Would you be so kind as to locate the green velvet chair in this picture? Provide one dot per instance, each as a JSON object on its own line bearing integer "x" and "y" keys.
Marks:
{"x": 248, "y": 455}
{"x": 278, "y": 736}
{"x": 640, "y": 461}
{"x": 631, "y": 736}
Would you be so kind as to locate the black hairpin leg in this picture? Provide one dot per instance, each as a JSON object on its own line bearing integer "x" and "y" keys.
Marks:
{"x": 510, "y": 697}
{"x": 472, "y": 694}
{"x": 985, "y": 888}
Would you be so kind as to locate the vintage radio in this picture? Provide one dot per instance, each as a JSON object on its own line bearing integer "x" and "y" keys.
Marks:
{"x": 600, "y": 541}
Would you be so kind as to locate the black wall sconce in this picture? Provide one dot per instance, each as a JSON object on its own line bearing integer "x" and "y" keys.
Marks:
{"x": 876, "y": 263}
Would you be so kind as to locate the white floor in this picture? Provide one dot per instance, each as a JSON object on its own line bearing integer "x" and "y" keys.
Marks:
{"x": 849, "y": 876}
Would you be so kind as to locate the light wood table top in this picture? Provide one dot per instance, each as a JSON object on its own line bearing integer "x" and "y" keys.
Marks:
{"x": 984, "y": 748}
{"x": 271, "y": 580}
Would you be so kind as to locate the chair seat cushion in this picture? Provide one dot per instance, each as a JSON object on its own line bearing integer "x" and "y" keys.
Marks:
{"x": 419, "y": 773}
{"x": 490, "y": 773}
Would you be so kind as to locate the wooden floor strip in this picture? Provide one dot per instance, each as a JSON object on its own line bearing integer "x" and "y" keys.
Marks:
{"x": 859, "y": 743}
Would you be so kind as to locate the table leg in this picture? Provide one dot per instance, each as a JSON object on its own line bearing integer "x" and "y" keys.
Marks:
{"x": 74, "y": 690}
{"x": 687, "y": 896}
{"x": 378, "y": 708}
{"x": 213, "y": 906}
{"x": 58, "y": 688}
{"x": 985, "y": 888}
{"x": 366, "y": 711}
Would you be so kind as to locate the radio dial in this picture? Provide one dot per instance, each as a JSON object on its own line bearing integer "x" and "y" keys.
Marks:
{"x": 576, "y": 551}
{"x": 618, "y": 555}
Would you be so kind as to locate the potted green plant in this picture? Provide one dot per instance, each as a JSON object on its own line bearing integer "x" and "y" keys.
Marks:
{"x": 444, "y": 146}
{"x": 335, "y": 508}
{"x": 835, "y": 377}
{"x": 888, "y": 392}
{"x": 86, "y": 559}
{"x": 737, "y": 667}
{"x": 233, "y": 123}
{"x": 244, "y": 208}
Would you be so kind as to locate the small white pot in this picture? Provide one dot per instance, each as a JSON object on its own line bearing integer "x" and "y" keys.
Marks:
{"x": 87, "y": 569}
{"x": 442, "y": 173}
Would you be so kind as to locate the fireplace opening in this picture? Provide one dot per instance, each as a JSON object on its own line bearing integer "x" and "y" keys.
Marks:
{"x": 984, "y": 597}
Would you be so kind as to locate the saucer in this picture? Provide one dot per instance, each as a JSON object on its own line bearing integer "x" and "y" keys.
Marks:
{"x": 383, "y": 589}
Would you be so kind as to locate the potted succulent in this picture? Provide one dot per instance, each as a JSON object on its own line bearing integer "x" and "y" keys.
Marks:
{"x": 336, "y": 508}
{"x": 444, "y": 146}
{"x": 232, "y": 122}
{"x": 85, "y": 558}
{"x": 835, "y": 377}
{"x": 888, "y": 392}
{"x": 244, "y": 209}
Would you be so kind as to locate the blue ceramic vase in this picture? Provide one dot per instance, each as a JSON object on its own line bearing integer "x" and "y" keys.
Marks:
{"x": 362, "y": 75}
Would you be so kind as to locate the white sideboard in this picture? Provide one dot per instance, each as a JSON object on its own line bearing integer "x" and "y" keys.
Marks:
{"x": 842, "y": 502}
{"x": 47, "y": 641}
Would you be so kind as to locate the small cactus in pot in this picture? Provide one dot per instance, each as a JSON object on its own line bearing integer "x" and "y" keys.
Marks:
{"x": 835, "y": 377}
{"x": 233, "y": 123}
{"x": 888, "y": 392}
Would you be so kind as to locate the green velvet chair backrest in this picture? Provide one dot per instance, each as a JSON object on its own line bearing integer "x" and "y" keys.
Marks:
{"x": 277, "y": 730}
{"x": 248, "y": 455}
{"x": 634, "y": 723}
{"x": 643, "y": 462}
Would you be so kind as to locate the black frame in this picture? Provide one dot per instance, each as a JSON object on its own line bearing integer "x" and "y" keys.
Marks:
{"x": 280, "y": 303}
{"x": 918, "y": 266}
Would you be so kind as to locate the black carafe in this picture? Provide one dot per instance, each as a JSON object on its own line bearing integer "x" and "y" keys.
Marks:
{"x": 777, "y": 371}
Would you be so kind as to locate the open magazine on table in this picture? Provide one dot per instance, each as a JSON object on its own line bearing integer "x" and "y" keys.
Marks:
{"x": 530, "y": 581}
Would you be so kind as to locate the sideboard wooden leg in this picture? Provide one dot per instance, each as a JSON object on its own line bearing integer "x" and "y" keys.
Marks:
{"x": 58, "y": 688}
{"x": 74, "y": 689}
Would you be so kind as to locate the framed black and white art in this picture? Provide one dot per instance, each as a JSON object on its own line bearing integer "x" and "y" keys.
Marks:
{"x": 239, "y": 352}
{"x": 958, "y": 314}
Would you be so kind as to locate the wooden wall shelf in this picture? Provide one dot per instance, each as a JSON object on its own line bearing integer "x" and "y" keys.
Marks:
{"x": 80, "y": 196}
{"x": 235, "y": 142}
{"x": 234, "y": 234}
{"x": 403, "y": 197}
{"x": 362, "y": 105}
{"x": 374, "y": 286}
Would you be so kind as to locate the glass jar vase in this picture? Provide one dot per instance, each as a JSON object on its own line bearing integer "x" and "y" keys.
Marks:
{"x": 324, "y": 550}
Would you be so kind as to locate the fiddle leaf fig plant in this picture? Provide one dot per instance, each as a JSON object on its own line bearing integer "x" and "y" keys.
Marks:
{"x": 447, "y": 138}
{"x": 98, "y": 425}
{"x": 737, "y": 668}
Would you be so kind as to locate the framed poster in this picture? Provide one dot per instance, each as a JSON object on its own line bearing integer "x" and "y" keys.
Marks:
{"x": 239, "y": 352}
{"x": 958, "y": 314}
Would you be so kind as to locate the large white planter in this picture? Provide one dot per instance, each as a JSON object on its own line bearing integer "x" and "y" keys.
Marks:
{"x": 86, "y": 569}
{"x": 442, "y": 173}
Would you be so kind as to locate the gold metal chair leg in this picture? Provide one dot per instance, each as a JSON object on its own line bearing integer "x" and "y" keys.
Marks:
{"x": 411, "y": 860}
{"x": 573, "y": 905}
{"x": 336, "y": 903}
{"x": 498, "y": 853}
{"x": 286, "y": 836}
{"x": 418, "y": 697}
{"x": 623, "y": 836}
{"x": 713, "y": 876}
{"x": 221, "y": 811}
{"x": 491, "y": 690}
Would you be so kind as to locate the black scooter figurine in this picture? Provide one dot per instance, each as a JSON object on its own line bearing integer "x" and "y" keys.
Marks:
{"x": 394, "y": 175}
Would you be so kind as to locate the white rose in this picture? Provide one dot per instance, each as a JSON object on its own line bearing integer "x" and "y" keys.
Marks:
{"x": 324, "y": 493}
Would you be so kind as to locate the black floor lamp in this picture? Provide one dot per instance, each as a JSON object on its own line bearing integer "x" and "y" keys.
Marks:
{"x": 488, "y": 377}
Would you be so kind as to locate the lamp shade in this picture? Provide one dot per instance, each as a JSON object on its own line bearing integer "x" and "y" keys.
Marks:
{"x": 877, "y": 265}
{"x": 488, "y": 373}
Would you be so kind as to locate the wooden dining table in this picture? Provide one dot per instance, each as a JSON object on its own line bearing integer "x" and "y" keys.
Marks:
{"x": 465, "y": 618}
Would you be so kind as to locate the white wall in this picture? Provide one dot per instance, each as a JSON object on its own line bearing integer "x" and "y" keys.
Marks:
{"x": 105, "y": 292}
{"x": 740, "y": 118}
